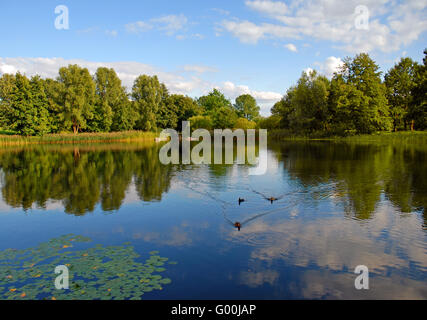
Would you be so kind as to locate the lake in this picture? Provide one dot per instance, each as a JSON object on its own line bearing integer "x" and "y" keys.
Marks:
{"x": 340, "y": 205}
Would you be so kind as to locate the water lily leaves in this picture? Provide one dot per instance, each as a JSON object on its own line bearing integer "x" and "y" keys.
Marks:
{"x": 98, "y": 272}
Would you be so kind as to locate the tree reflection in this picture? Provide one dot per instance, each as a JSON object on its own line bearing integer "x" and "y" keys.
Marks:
{"x": 361, "y": 173}
{"x": 80, "y": 177}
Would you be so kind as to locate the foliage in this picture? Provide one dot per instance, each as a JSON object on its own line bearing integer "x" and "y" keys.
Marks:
{"x": 77, "y": 97}
{"x": 243, "y": 123}
{"x": 246, "y": 107}
{"x": 148, "y": 96}
{"x": 400, "y": 82}
{"x": 201, "y": 122}
{"x": 355, "y": 101}
{"x": 213, "y": 101}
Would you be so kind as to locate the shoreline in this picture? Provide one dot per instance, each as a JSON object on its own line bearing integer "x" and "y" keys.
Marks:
{"x": 274, "y": 136}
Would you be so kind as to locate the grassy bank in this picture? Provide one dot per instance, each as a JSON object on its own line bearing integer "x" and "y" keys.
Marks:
{"x": 404, "y": 136}
{"x": 81, "y": 138}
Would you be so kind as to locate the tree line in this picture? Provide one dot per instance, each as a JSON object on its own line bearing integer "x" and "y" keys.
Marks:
{"x": 356, "y": 100}
{"x": 77, "y": 102}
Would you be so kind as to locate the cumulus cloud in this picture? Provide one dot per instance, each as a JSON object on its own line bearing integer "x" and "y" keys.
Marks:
{"x": 330, "y": 66}
{"x": 269, "y": 7}
{"x": 265, "y": 99}
{"x": 392, "y": 24}
{"x": 291, "y": 47}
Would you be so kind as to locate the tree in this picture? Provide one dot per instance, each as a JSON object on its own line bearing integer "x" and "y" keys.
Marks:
{"x": 224, "y": 118}
{"x": 183, "y": 108}
{"x": 26, "y": 111}
{"x": 147, "y": 93}
{"x": 371, "y": 109}
{"x": 77, "y": 97}
{"x": 213, "y": 101}
{"x": 110, "y": 95}
{"x": 7, "y": 86}
{"x": 309, "y": 103}
{"x": 283, "y": 109}
{"x": 418, "y": 109}
{"x": 246, "y": 107}
{"x": 400, "y": 82}
{"x": 201, "y": 122}
{"x": 53, "y": 90}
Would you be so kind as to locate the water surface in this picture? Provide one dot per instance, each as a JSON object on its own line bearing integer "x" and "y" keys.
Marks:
{"x": 340, "y": 205}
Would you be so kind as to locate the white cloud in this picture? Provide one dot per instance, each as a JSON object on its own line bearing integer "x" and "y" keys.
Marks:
{"x": 265, "y": 99}
{"x": 269, "y": 7}
{"x": 291, "y": 47}
{"x": 7, "y": 68}
{"x": 169, "y": 25}
{"x": 198, "y": 69}
{"x": 393, "y": 24}
{"x": 330, "y": 66}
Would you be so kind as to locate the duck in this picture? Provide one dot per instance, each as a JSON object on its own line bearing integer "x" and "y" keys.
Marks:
{"x": 238, "y": 225}
{"x": 272, "y": 199}
{"x": 241, "y": 200}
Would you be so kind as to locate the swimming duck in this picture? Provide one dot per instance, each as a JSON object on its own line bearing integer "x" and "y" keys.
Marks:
{"x": 238, "y": 225}
{"x": 272, "y": 199}
{"x": 241, "y": 200}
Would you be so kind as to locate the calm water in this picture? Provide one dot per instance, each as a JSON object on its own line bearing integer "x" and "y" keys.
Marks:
{"x": 341, "y": 205}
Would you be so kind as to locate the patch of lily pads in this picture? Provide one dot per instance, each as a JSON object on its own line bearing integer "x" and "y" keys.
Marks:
{"x": 95, "y": 273}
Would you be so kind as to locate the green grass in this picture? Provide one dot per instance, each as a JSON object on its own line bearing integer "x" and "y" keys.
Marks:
{"x": 63, "y": 138}
{"x": 404, "y": 137}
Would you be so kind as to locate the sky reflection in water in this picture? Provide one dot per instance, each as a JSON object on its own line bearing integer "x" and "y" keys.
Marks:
{"x": 343, "y": 205}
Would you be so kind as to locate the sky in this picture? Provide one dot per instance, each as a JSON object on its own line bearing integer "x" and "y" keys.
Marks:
{"x": 259, "y": 47}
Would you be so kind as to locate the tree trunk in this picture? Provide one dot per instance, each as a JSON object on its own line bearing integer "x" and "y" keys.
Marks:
{"x": 412, "y": 125}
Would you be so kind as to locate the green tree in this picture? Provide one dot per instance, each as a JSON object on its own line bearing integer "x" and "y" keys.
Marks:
{"x": 246, "y": 107}
{"x": 201, "y": 122}
{"x": 183, "y": 108}
{"x": 309, "y": 103}
{"x": 26, "y": 111}
{"x": 77, "y": 97}
{"x": 53, "y": 90}
{"x": 400, "y": 83}
{"x": 224, "y": 118}
{"x": 213, "y": 101}
{"x": 283, "y": 109}
{"x": 7, "y": 86}
{"x": 370, "y": 109}
{"x": 110, "y": 95}
{"x": 418, "y": 110}
{"x": 148, "y": 94}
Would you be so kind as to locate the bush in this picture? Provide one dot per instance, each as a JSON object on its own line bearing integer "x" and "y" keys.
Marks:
{"x": 245, "y": 124}
{"x": 201, "y": 122}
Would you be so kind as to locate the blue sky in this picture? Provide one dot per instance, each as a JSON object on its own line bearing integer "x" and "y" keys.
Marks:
{"x": 239, "y": 46}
